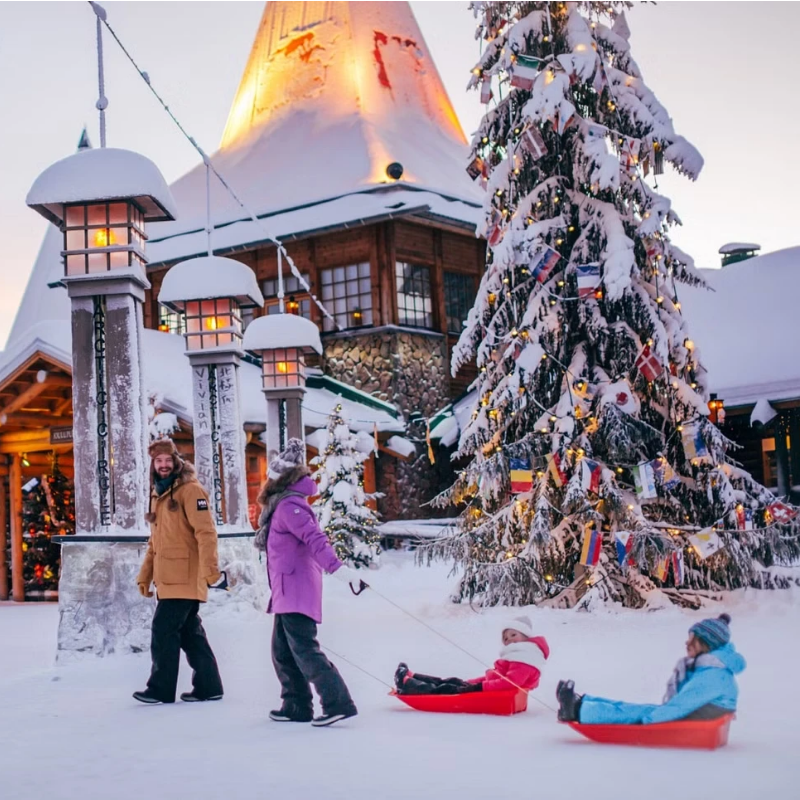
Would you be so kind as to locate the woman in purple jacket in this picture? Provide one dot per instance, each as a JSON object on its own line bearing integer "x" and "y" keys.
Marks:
{"x": 297, "y": 553}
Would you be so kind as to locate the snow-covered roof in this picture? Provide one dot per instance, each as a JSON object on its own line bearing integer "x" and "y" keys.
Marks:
{"x": 331, "y": 95}
{"x": 281, "y": 330}
{"x": 746, "y": 329}
{"x": 104, "y": 174}
{"x": 39, "y": 303}
{"x": 451, "y": 420}
{"x": 167, "y": 372}
{"x": 738, "y": 247}
{"x": 364, "y": 207}
{"x": 209, "y": 277}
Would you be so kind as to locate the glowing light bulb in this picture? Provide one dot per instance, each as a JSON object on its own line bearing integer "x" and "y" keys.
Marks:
{"x": 104, "y": 237}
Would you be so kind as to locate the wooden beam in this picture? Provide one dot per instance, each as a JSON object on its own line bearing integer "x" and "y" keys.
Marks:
{"x": 31, "y": 420}
{"x": 63, "y": 405}
{"x": 15, "y": 497}
{"x": 3, "y": 542}
{"x": 24, "y": 397}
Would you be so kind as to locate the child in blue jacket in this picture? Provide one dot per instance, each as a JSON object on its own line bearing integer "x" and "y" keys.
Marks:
{"x": 701, "y": 687}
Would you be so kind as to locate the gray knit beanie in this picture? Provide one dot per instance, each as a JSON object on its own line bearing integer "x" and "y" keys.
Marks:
{"x": 292, "y": 457}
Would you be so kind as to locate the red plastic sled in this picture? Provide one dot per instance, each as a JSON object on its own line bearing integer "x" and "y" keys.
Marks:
{"x": 502, "y": 703}
{"x": 698, "y": 735}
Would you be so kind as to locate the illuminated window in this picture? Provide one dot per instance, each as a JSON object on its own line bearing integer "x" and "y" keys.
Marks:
{"x": 414, "y": 303}
{"x": 303, "y": 306}
{"x": 347, "y": 294}
{"x": 459, "y": 295}
{"x": 171, "y": 321}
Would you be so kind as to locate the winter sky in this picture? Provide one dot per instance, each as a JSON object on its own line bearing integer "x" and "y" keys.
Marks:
{"x": 725, "y": 71}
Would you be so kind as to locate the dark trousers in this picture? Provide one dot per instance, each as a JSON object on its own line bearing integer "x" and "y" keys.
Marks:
{"x": 299, "y": 662}
{"x": 429, "y": 684}
{"x": 176, "y": 627}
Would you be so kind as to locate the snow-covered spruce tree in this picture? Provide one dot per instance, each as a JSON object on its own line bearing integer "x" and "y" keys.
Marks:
{"x": 342, "y": 510}
{"x": 587, "y": 374}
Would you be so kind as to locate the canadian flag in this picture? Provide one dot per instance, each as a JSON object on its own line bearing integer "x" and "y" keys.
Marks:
{"x": 648, "y": 364}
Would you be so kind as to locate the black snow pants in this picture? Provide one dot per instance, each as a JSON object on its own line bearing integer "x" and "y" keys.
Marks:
{"x": 176, "y": 627}
{"x": 429, "y": 684}
{"x": 299, "y": 662}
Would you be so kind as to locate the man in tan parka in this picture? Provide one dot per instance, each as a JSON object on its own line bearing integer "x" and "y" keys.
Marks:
{"x": 181, "y": 561}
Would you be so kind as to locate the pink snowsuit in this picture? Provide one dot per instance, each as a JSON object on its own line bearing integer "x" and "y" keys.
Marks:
{"x": 520, "y": 662}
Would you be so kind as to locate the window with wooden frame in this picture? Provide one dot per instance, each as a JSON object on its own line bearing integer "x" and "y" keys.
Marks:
{"x": 459, "y": 296}
{"x": 296, "y": 299}
{"x": 414, "y": 300}
{"x": 171, "y": 321}
{"x": 347, "y": 294}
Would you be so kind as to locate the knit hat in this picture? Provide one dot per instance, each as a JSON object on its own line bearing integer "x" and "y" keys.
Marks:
{"x": 714, "y": 632}
{"x": 292, "y": 457}
{"x": 522, "y": 624}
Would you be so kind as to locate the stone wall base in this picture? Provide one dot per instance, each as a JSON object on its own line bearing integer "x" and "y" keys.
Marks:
{"x": 101, "y": 611}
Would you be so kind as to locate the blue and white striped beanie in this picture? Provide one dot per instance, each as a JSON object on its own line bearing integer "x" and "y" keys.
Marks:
{"x": 714, "y": 632}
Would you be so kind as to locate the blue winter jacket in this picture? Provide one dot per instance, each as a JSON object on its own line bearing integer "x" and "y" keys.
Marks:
{"x": 703, "y": 686}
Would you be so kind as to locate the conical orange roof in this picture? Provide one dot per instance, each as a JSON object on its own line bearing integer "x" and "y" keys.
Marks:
{"x": 333, "y": 93}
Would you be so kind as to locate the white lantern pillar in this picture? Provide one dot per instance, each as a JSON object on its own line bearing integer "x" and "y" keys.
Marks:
{"x": 281, "y": 341}
{"x": 211, "y": 291}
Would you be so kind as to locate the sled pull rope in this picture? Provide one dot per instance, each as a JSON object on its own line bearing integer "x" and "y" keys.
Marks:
{"x": 456, "y": 645}
{"x": 353, "y": 664}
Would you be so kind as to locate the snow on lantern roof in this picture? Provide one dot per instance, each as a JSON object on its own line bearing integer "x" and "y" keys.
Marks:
{"x": 332, "y": 94}
{"x": 210, "y": 277}
{"x": 282, "y": 330}
{"x": 101, "y": 175}
{"x": 738, "y": 247}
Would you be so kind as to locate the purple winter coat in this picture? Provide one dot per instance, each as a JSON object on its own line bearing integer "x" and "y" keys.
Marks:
{"x": 297, "y": 552}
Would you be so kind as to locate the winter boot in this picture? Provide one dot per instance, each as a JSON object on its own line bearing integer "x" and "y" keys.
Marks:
{"x": 191, "y": 697}
{"x": 290, "y": 714}
{"x": 334, "y": 716}
{"x": 148, "y": 698}
{"x": 569, "y": 703}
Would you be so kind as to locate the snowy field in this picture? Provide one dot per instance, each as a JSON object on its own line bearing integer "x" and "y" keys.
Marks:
{"x": 74, "y": 731}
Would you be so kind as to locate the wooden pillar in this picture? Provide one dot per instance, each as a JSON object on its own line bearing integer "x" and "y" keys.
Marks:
{"x": 3, "y": 540}
{"x": 15, "y": 502}
{"x": 782, "y": 453}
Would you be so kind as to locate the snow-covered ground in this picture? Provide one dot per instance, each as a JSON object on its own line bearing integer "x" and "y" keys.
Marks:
{"x": 74, "y": 731}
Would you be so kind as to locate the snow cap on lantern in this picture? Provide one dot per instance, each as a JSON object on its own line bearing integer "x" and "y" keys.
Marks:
{"x": 281, "y": 340}
{"x": 101, "y": 200}
{"x": 211, "y": 291}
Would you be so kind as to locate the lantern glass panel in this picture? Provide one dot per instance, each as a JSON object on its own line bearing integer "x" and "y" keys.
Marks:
{"x": 283, "y": 369}
{"x": 213, "y": 323}
{"x": 76, "y": 215}
{"x": 118, "y": 213}
{"x": 97, "y": 214}
{"x": 98, "y": 262}
{"x": 76, "y": 265}
{"x": 76, "y": 240}
{"x": 119, "y": 259}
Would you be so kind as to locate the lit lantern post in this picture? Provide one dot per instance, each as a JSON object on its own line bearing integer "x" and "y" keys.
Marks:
{"x": 101, "y": 200}
{"x": 282, "y": 341}
{"x": 211, "y": 291}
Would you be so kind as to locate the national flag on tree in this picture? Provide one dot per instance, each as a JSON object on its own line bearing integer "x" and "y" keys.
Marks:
{"x": 588, "y": 279}
{"x": 475, "y": 168}
{"x": 677, "y": 567}
{"x": 706, "y": 543}
{"x": 781, "y": 512}
{"x": 591, "y": 546}
{"x": 592, "y": 472}
{"x": 556, "y": 469}
{"x": 533, "y": 142}
{"x": 662, "y": 568}
{"x": 694, "y": 445}
{"x": 521, "y": 475}
{"x": 486, "y": 89}
{"x": 665, "y": 474}
{"x": 648, "y": 364}
{"x": 623, "y": 541}
{"x": 543, "y": 262}
{"x": 744, "y": 518}
{"x": 524, "y": 71}
{"x": 645, "y": 481}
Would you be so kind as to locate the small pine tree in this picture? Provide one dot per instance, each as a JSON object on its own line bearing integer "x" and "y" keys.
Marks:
{"x": 351, "y": 525}
{"x": 587, "y": 374}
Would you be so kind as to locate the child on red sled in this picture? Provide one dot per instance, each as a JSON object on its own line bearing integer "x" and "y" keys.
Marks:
{"x": 702, "y": 687}
{"x": 519, "y": 666}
